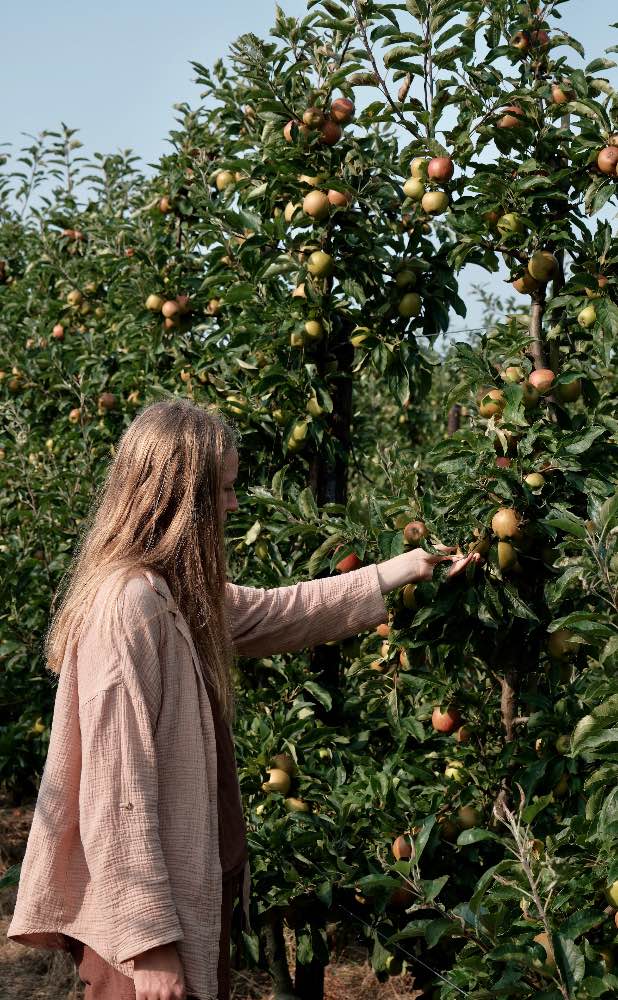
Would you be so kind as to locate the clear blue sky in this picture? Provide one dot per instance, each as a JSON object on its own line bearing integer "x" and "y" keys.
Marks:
{"x": 114, "y": 70}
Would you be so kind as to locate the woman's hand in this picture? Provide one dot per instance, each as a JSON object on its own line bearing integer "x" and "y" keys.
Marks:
{"x": 418, "y": 565}
{"x": 158, "y": 974}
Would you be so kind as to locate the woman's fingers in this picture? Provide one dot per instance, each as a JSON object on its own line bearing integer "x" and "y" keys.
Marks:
{"x": 445, "y": 548}
{"x": 461, "y": 562}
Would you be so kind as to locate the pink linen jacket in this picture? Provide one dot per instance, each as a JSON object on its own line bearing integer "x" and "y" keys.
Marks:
{"x": 123, "y": 851}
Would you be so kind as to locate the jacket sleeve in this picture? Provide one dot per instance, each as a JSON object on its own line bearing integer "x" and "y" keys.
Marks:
{"x": 285, "y": 619}
{"x": 118, "y": 796}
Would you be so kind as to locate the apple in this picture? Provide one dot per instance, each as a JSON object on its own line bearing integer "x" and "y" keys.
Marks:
{"x": 418, "y": 167}
{"x": 153, "y": 303}
{"x": 383, "y": 630}
{"x": 535, "y": 480}
{"x": 296, "y": 805}
{"x": 316, "y": 205}
{"x": 521, "y": 41}
{"x": 507, "y": 556}
{"x": 314, "y": 408}
{"x": 539, "y": 39}
{"x": 440, "y": 169}
{"x": 75, "y": 298}
{"x": 170, "y": 309}
{"x": 530, "y": 396}
{"x": 299, "y": 291}
{"x": 560, "y": 644}
{"x": 75, "y": 415}
{"x": 525, "y": 284}
{"x": 491, "y": 218}
{"x": 543, "y": 266}
{"x": 492, "y": 403}
{"x": 511, "y": 222}
{"x": 587, "y": 317}
{"x": 280, "y": 417}
{"x": 314, "y": 329}
{"x": 58, "y": 332}
{"x": 349, "y": 563}
{"x": 404, "y": 662}
{"x": 377, "y": 665}
{"x": 463, "y": 734}
{"x": 287, "y": 130}
{"x": 342, "y": 110}
{"x": 330, "y": 132}
{"x": 506, "y": 523}
{"x": 510, "y": 117}
{"x": 414, "y": 188}
{"x": 560, "y": 95}
{"x": 542, "y": 379}
{"x": 512, "y": 374}
{"x": 503, "y": 462}
{"x": 279, "y": 781}
{"x": 569, "y": 392}
{"x": 107, "y": 401}
{"x": 414, "y": 532}
{"x": 320, "y": 264}
{"x": 454, "y": 771}
{"x": 285, "y": 762}
{"x": 402, "y": 848}
{"x": 448, "y": 829}
{"x": 434, "y": 202}
{"x": 339, "y": 199}
{"x": 468, "y": 817}
{"x": 563, "y": 744}
{"x": 165, "y": 204}
{"x": 409, "y": 596}
{"x": 607, "y": 160}
{"x": 445, "y": 722}
{"x": 410, "y": 305}
{"x": 313, "y": 117}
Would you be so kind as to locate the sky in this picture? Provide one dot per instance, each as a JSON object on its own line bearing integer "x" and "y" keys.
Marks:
{"x": 114, "y": 70}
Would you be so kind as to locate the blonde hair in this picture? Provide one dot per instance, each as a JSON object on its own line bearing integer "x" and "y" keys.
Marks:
{"x": 159, "y": 508}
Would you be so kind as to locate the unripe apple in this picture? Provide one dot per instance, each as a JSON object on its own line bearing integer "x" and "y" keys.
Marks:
{"x": 588, "y": 316}
{"x": 414, "y": 532}
{"x": 561, "y": 644}
{"x": 506, "y": 523}
{"x": 530, "y": 396}
{"x": 492, "y": 403}
{"x": 510, "y": 117}
{"x": 75, "y": 298}
{"x": 542, "y": 379}
{"x": 563, "y": 744}
{"x": 418, "y": 167}
{"x": 607, "y": 160}
{"x": 75, "y": 414}
{"x": 402, "y": 848}
{"x": 330, "y": 132}
{"x": 405, "y": 277}
{"x": 440, "y": 168}
{"x": 569, "y": 392}
{"x": 410, "y": 305}
{"x": 511, "y": 222}
{"x": 447, "y": 721}
{"x": 224, "y": 179}
{"x": 512, "y": 374}
{"x": 611, "y": 894}
{"x": 414, "y": 188}
{"x": 154, "y": 303}
{"x": 296, "y": 805}
{"x": 409, "y": 596}
{"x": 342, "y": 110}
{"x": 279, "y": 781}
{"x": 434, "y": 202}
{"x": 543, "y": 266}
{"x": 316, "y": 205}
{"x": 320, "y": 264}
{"x": 535, "y": 480}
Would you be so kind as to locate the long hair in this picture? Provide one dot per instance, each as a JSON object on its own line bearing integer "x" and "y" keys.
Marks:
{"x": 159, "y": 508}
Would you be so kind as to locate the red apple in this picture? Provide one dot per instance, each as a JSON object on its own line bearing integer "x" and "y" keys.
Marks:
{"x": 440, "y": 168}
{"x": 447, "y": 721}
{"x": 330, "y": 132}
{"x": 542, "y": 379}
{"x": 348, "y": 563}
{"x": 342, "y": 110}
{"x": 607, "y": 160}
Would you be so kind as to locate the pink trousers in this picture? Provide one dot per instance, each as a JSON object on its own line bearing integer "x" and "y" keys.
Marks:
{"x": 103, "y": 982}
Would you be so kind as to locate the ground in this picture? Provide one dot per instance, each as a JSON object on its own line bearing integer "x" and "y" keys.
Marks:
{"x": 35, "y": 974}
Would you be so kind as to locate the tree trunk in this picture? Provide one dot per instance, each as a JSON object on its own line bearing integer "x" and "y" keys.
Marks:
{"x": 454, "y": 415}
{"x": 271, "y": 933}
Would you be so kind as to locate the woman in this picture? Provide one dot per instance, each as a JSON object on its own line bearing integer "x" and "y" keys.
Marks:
{"x": 137, "y": 850}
